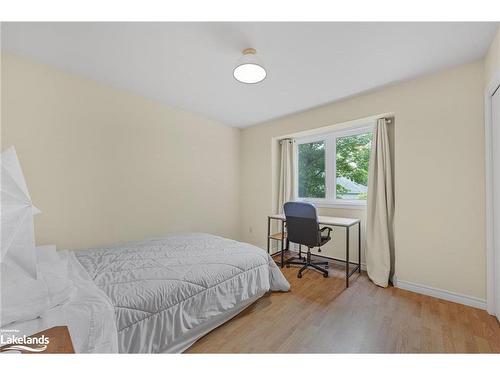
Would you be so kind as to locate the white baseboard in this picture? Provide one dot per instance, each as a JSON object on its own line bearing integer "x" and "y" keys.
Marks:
{"x": 440, "y": 293}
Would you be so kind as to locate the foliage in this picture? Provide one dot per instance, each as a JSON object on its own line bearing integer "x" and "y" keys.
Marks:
{"x": 352, "y": 159}
{"x": 312, "y": 170}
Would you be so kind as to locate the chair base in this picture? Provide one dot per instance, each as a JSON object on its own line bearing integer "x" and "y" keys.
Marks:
{"x": 308, "y": 264}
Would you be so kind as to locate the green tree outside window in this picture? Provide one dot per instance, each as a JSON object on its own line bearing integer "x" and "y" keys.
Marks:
{"x": 312, "y": 170}
{"x": 352, "y": 160}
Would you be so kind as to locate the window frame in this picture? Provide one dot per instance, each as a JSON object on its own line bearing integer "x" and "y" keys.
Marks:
{"x": 330, "y": 139}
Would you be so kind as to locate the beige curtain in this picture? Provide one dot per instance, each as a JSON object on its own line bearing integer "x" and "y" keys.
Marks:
{"x": 287, "y": 173}
{"x": 380, "y": 213}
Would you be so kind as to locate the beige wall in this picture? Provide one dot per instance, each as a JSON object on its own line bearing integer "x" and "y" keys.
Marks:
{"x": 439, "y": 174}
{"x": 104, "y": 165}
{"x": 492, "y": 59}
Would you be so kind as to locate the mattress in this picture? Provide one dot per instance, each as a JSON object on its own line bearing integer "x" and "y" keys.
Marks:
{"x": 88, "y": 314}
{"x": 169, "y": 291}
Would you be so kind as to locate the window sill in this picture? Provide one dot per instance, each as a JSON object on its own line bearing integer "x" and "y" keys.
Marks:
{"x": 348, "y": 206}
{"x": 340, "y": 205}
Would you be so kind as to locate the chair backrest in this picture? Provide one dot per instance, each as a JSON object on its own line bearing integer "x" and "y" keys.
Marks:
{"x": 302, "y": 223}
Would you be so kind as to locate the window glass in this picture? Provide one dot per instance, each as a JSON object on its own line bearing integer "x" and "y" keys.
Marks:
{"x": 352, "y": 159}
{"x": 311, "y": 165}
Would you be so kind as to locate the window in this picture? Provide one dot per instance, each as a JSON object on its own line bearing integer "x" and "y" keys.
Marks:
{"x": 332, "y": 168}
{"x": 351, "y": 166}
{"x": 311, "y": 160}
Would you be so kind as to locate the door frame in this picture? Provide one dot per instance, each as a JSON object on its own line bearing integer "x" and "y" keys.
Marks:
{"x": 490, "y": 251}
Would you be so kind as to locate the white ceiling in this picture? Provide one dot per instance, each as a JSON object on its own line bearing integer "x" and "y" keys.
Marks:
{"x": 189, "y": 65}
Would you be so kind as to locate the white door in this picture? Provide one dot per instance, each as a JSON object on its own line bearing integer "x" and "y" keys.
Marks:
{"x": 495, "y": 117}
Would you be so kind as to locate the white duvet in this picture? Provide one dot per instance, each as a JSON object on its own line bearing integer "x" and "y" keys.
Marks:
{"x": 169, "y": 291}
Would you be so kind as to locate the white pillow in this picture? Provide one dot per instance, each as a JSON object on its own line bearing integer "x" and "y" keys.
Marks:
{"x": 22, "y": 297}
{"x": 53, "y": 271}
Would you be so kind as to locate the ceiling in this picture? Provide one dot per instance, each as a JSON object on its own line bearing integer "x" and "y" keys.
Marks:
{"x": 189, "y": 65}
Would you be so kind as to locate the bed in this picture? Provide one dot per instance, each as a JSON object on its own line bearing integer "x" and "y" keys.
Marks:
{"x": 168, "y": 292}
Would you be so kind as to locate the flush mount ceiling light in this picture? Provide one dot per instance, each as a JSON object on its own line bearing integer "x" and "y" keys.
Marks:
{"x": 249, "y": 69}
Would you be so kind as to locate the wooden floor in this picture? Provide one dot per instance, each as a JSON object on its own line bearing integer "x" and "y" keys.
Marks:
{"x": 319, "y": 315}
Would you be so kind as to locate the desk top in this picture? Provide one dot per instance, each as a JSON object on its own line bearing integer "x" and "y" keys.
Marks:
{"x": 326, "y": 220}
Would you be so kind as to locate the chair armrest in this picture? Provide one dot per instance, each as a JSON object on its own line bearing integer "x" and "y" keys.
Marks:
{"x": 326, "y": 228}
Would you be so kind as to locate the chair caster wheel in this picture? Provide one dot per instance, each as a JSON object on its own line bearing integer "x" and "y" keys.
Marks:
{"x": 325, "y": 275}
{"x": 287, "y": 266}
{"x": 299, "y": 276}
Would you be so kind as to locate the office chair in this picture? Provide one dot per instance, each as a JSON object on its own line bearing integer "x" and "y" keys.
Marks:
{"x": 303, "y": 229}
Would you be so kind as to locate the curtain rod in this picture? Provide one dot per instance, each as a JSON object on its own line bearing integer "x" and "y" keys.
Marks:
{"x": 389, "y": 116}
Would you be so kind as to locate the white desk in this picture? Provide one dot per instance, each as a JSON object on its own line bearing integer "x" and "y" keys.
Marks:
{"x": 328, "y": 221}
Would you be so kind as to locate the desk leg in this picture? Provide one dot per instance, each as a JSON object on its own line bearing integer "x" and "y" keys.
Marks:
{"x": 359, "y": 246}
{"x": 347, "y": 258}
{"x": 282, "y": 242}
{"x": 268, "y": 234}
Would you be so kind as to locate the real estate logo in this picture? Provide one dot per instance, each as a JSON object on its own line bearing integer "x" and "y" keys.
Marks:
{"x": 10, "y": 341}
